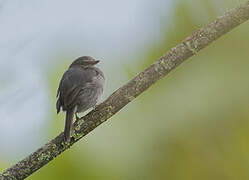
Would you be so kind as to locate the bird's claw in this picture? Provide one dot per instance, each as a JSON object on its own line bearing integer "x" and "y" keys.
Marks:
{"x": 77, "y": 117}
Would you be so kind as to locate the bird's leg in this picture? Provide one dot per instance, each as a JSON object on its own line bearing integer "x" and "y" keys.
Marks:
{"x": 77, "y": 117}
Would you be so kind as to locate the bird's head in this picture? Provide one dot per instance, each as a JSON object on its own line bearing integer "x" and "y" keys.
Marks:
{"x": 84, "y": 61}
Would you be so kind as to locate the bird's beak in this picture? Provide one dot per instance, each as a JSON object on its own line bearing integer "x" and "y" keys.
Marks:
{"x": 96, "y": 62}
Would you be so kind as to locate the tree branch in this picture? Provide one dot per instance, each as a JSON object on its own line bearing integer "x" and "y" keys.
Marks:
{"x": 160, "y": 68}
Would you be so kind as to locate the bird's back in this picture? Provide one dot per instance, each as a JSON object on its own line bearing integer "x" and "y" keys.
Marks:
{"x": 73, "y": 81}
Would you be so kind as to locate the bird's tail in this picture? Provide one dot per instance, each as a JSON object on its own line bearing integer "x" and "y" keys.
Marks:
{"x": 68, "y": 124}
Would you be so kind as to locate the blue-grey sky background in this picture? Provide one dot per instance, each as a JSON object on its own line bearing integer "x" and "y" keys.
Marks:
{"x": 34, "y": 33}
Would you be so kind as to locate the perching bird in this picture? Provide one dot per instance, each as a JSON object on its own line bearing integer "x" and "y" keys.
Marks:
{"x": 81, "y": 88}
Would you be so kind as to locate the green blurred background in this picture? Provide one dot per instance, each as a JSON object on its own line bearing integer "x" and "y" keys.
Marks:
{"x": 193, "y": 124}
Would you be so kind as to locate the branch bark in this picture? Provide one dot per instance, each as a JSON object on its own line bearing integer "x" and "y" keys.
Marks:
{"x": 160, "y": 68}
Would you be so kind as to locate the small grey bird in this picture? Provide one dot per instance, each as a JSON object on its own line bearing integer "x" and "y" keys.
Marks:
{"x": 81, "y": 88}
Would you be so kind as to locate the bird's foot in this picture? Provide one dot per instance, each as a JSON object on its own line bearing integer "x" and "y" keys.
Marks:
{"x": 77, "y": 117}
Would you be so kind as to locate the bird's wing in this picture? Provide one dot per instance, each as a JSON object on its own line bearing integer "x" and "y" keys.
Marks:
{"x": 70, "y": 98}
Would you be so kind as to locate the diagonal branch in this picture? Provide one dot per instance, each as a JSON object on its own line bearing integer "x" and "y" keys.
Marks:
{"x": 160, "y": 68}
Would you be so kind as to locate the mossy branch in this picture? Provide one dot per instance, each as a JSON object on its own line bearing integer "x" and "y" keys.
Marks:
{"x": 160, "y": 68}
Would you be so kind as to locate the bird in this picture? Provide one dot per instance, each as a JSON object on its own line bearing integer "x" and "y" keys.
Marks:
{"x": 81, "y": 88}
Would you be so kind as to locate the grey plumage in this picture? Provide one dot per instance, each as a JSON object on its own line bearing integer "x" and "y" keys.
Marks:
{"x": 81, "y": 88}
